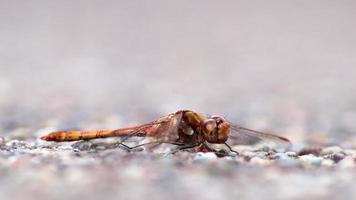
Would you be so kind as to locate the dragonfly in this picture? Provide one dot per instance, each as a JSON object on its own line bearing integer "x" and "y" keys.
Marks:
{"x": 185, "y": 129}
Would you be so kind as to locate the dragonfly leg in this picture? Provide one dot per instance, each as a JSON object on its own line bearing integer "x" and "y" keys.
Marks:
{"x": 185, "y": 147}
{"x": 189, "y": 146}
{"x": 220, "y": 153}
{"x": 148, "y": 143}
{"x": 231, "y": 150}
{"x": 128, "y": 148}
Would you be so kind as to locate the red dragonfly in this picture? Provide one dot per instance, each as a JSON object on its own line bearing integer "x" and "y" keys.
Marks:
{"x": 184, "y": 128}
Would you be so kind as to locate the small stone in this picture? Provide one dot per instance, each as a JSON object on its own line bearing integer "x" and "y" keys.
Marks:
{"x": 279, "y": 156}
{"x": 261, "y": 154}
{"x": 288, "y": 162}
{"x": 100, "y": 148}
{"x": 327, "y": 163}
{"x": 337, "y": 157}
{"x": 65, "y": 148}
{"x": 260, "y": 161}
{"x": 204, "y": 157}
{"x": 291, "y": 154}
{"x": 331, "y": 150}
{"x": 310, "y": 150}
{"x": 83, "y": 145}
{"x": 284, "y": 160}
{"x": 15, "y": 144}
{"x": 310, "y": 160}
{"x": 248, "y": 154}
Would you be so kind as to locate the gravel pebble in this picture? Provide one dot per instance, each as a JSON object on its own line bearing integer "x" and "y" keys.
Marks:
{"x": 260, "y": 161}
{"x": 204, "y": 157}
{"x": 327, "y": 163}
{"x": 310, "y": 150}
{"x": 331, "y": 150}
{"x": 291, "y": 154}
{"x": 248, "y": 154}
{"x": 70, "y": 163}
{"x": 20, "y": 144}
{"x": 261, "y": 154}
{"x": 310, "y": 160}
{"x": 337, "y": 157}
{"x": 279, "y": 156}
{"x": 285, "y": 160}
{"x": 83, "y": 145}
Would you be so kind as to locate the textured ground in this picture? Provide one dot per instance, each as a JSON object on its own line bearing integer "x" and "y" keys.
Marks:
{"x": 92, "y": 170}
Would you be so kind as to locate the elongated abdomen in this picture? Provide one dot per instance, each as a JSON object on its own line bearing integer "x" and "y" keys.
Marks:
{"x": 61, "y": 136}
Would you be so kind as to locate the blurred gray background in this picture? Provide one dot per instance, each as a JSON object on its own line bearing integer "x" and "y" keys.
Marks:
{"x": 284, "y": 66}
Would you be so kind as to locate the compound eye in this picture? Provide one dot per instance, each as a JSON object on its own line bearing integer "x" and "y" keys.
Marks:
{"x": 223, "y": 130}
{"x": 209, "y": 125}
{"x": 217, "y": 118}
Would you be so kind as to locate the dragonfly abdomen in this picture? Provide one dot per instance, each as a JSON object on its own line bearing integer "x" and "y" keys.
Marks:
{"x": 61, "y": 136}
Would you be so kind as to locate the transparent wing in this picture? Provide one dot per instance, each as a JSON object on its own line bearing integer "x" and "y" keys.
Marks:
{"x": 167, "y": 127}
{"x": 242, "y": 135}
{"x": 164, "y": 129}
{"x": 155, "y": 135}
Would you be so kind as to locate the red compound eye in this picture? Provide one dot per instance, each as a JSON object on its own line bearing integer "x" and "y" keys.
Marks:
{"x": 209, "y": 126}
{"x": 217, "y": 118}
{"x": 223, "y": 131}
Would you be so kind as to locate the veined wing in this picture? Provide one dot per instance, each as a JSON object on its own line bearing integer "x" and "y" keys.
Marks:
{"x": 242, "y": 135}
{"x": 166, "y": 127}
{"x": 162, "y": 128}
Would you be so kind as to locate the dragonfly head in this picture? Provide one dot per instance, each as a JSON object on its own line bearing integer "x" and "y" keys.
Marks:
{"x": 216, "y": 129}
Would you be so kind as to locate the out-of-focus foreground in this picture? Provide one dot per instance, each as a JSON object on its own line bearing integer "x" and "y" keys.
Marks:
{"x": 286, "y": 67}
